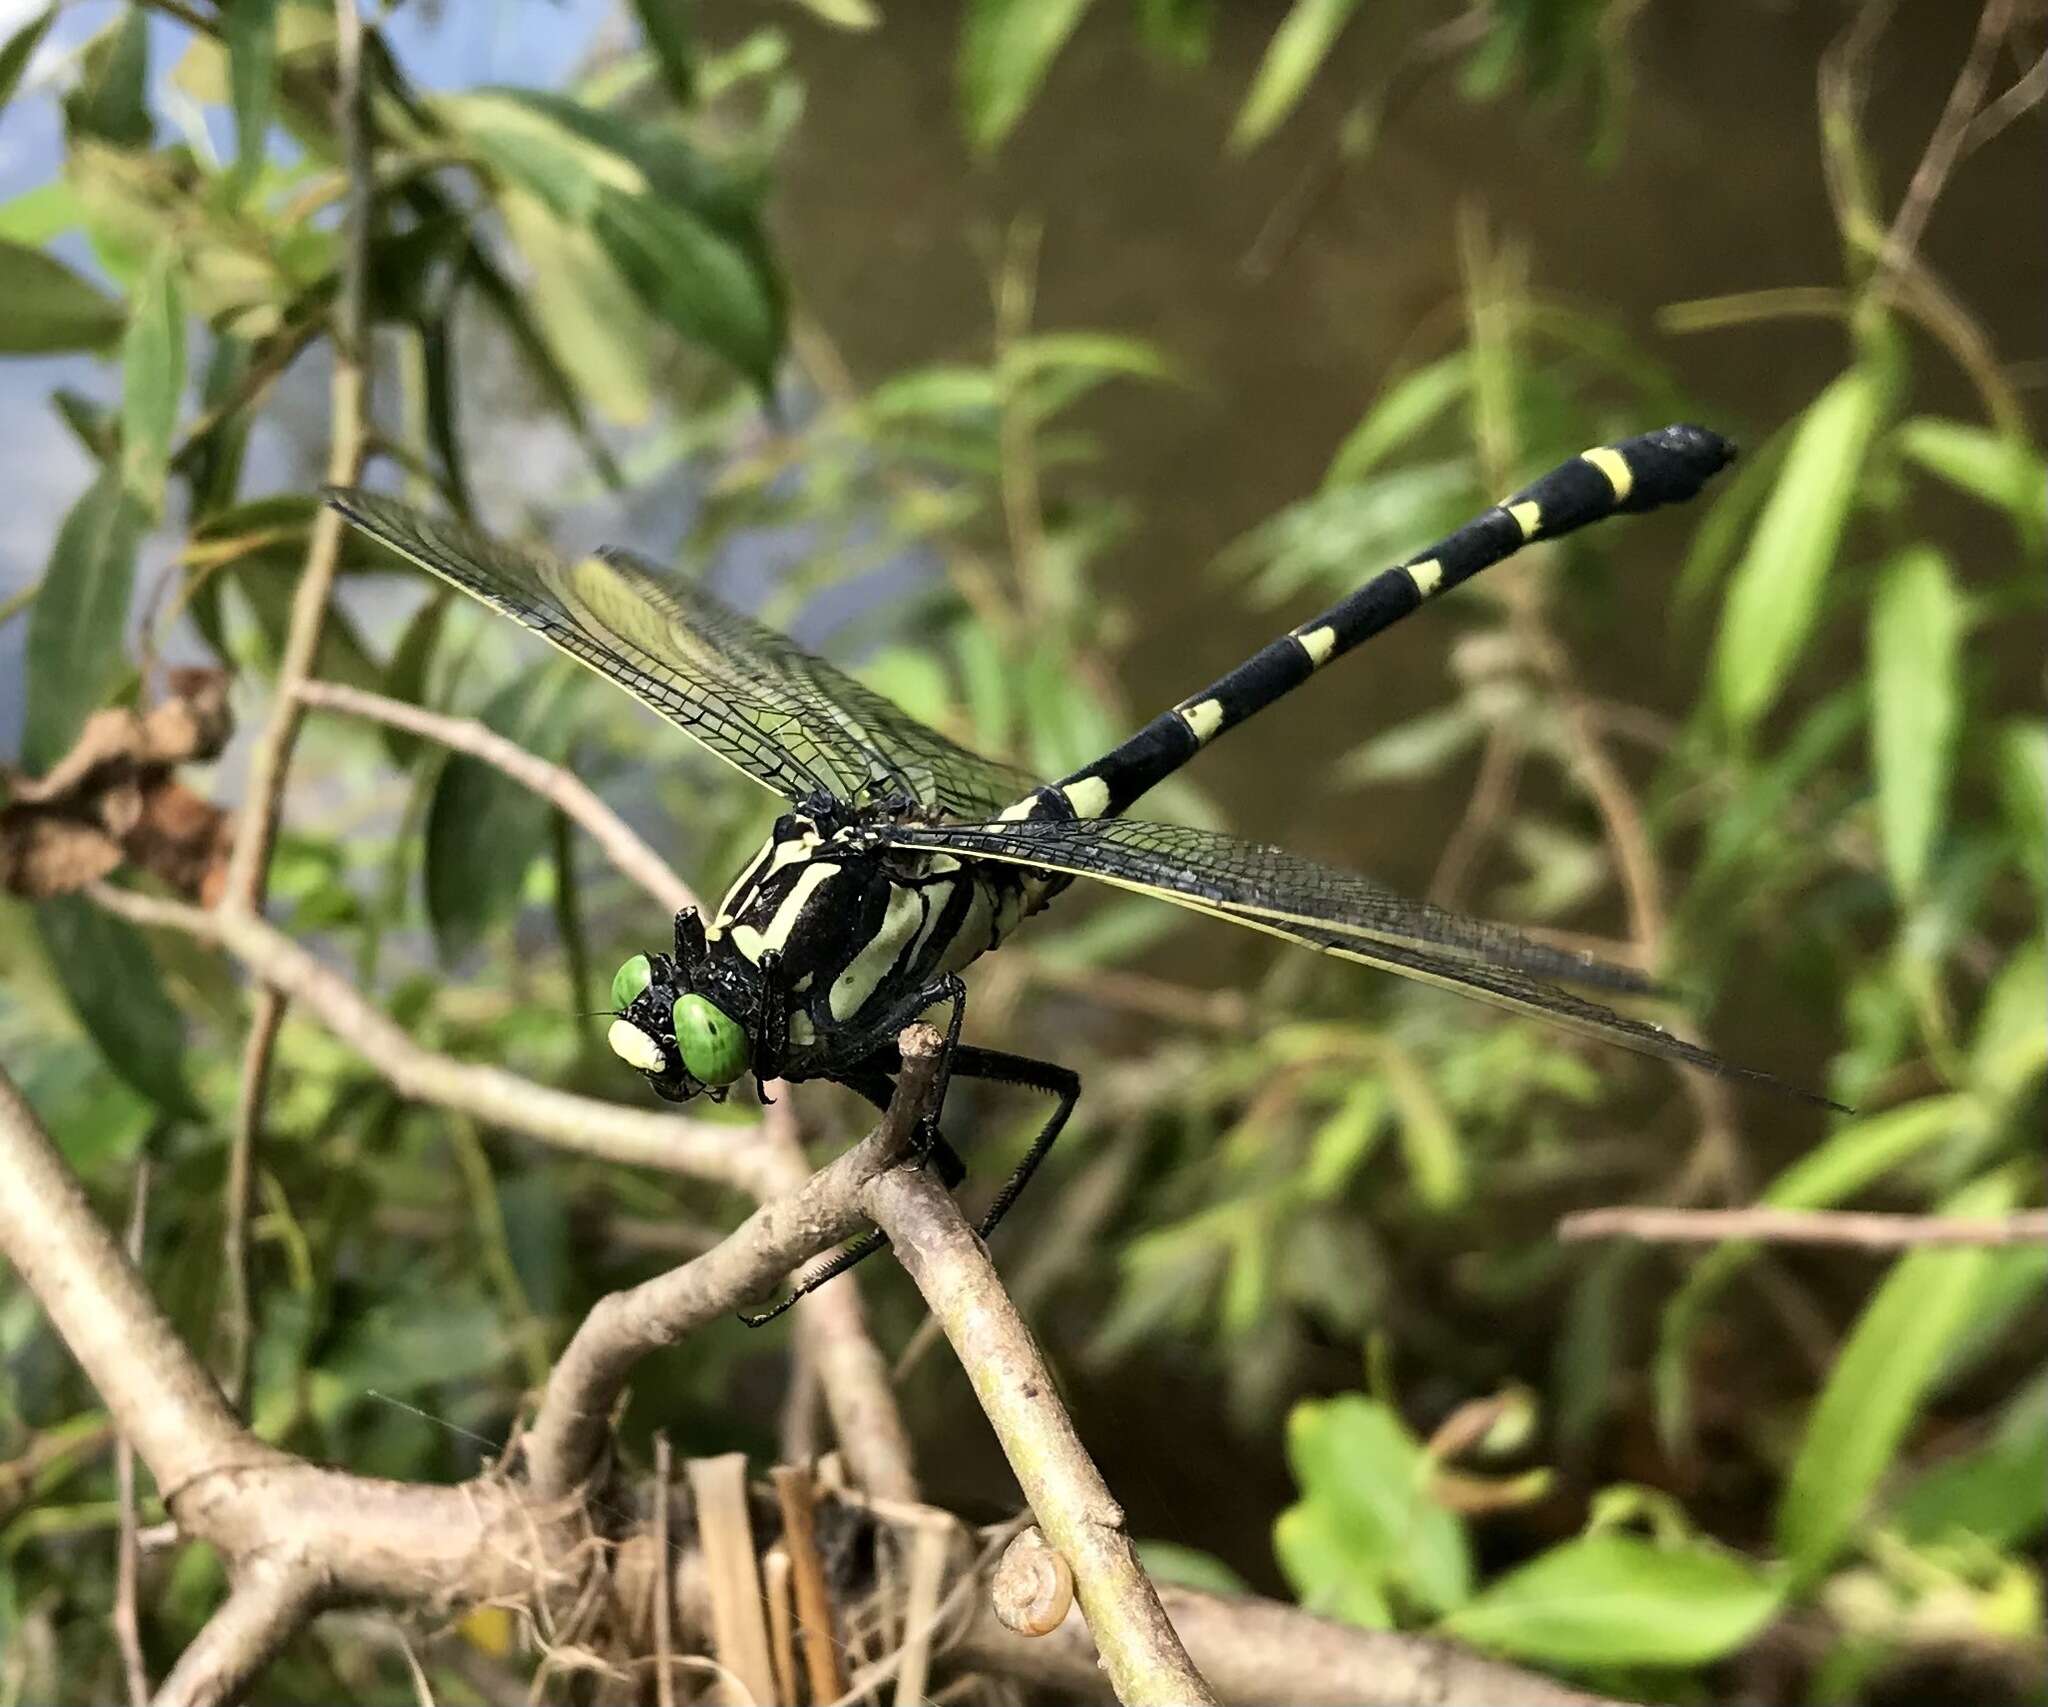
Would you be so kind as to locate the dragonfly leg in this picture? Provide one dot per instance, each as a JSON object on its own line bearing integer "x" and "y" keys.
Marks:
{"x": 941, "y": 1157}
{"x": 1000, "y": 1067}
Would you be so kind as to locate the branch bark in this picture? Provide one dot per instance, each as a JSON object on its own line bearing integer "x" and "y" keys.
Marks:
{"x": 1145, "y": 1660}
{"x": 1860, "y": 1230}
{"x": 569, "y": 1427}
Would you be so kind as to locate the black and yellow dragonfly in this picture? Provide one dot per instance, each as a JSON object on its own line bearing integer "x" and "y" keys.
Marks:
{"x": 904, "y": 858}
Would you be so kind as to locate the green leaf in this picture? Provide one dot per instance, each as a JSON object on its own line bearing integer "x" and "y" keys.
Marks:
{"x": 1006, "y": 48}
{"x": 1878, "y": 1382}
{"x": 1179, "y": 29}
{"x": 1612, "y": 1599}
{"x": 1298, "y": 47}
{"x": 1429, "y": 1137}
{"x": 1400, "y": 416}
{"x": 19, "y": 49}
{"x": 844, "y": 14}
{"x": 251, "y": 30}
{"x": 1996, "y": 1494}
{"x": 111, "y": 99}
{"x": 76, "y": 653}
{"x": 2000, "y": 468}
{"x": 693, "y": 277}
{"x": 1170, "y": 1562}
{"x": 668, "y": 27}
{"x": 2009, "y": 1045}
{"x": 1366, "y": 1526}
{"x": 1410, "y": 751}
{"x": 1774, "y": 597}
{"x": 483, "y": 829}
{"x": 2023, "y": 792}
{"x": 1851, "y": 1157}
{"x": 152, "y": 377}
{"x": 411, "y": 659}
{"x": 584, "y": 308}
{"x": 1916, "y": 633}
{"x": 50, "y": 308}
{"x": 110, "y": 976}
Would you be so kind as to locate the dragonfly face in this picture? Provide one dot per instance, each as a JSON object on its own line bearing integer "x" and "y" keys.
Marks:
{"x": 674, "y": 1021}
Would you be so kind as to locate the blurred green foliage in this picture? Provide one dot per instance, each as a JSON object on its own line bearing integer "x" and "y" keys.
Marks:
{"x": 1853, "y": 813}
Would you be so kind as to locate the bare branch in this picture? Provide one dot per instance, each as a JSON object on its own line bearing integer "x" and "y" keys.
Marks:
{"x": 569, "y": 1427}
{"x": 265, "y": 1607}
{"x": 1258, "y": 1650}
{"x": 575, "y": 798}
{"x": 161, "y": 1400}
{"x": 606, "y": 1130}
{"x": 1143, "y": 1657}
{"x": 270, "y": 761}
{"x": 128, "y": 1554}
{"x": 1857, "y": 1229}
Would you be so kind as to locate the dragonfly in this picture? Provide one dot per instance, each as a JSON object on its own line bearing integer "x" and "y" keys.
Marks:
{"x": 903, "y": 857}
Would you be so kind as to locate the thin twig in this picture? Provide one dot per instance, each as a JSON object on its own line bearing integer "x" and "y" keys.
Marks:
{"x": 267, "y": 1604}
{"x": 270, "y": 760}
{"x": 797, "y": 1499}
{"x": 128, "y": 1555}
{"x": 1945, "y": 145}
{"x": 609, "y": 1131}
{"x": 1858, "y": 1229}
{"x": 560, "y": 787}
{"x": 1140, "y": 1651}
{"x": 237, "y": 1316}
{"x": 664, "y": 1577}
{"x": 569, "y": 1426}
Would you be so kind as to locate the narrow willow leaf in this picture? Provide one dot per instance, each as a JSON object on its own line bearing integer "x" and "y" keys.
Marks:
{"x": 19, "y": 49}
{"x": 1612, "y": 1599}
{"x": 669, "y": 26}
{"x": 1774, "y": 597}
{"x": 251, "y": 29}
{"x": 2023, "y": 791}
{"x": 50, "y": 308}
{"x": 693, "y": 277}
{"x": 75, "y": 631}
{"x": 152, "y": 377}
{"x": 1401, "y": 415}
{"x": 110, "y": 101}
{"x": 1428, "y": 1135}
{"x": 1916, "y": 634}
{"x": 1006, "y": 48}
{"x": 1995, "y": 1494}
{"x": 1879, "y": 1380}
{"x": 1298, "y": 47}
{"x": 1179, "y": 29}
{"x": 584, "y": 308}
{"x": 110, "y": 976}
{"x": 483, "y": 830}
{"x": 2000, "y": 468}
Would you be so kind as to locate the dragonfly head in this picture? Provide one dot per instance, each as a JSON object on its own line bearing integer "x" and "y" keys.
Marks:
{"x": 680, "y": 1037}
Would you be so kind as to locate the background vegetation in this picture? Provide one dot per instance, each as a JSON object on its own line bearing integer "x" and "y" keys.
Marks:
{"x": 1298, "y": 1255}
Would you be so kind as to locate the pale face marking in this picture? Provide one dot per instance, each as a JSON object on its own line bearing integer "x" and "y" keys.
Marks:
{"x": 1615, "y": 466}
{"x": 1528, "y": 517}
{"x": 1203, "y": 718}
{"x": 1089, "y": 797}
{"x": 1318, "y": 643}
{"x": 754, "y": 943}
{"x": 900, "y": 920}
{"x": 634, "y": 1047}
{"x": 1428, "y": 575}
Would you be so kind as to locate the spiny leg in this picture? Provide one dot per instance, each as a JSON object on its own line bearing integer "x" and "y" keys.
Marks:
{"x": 994, "y": 1065}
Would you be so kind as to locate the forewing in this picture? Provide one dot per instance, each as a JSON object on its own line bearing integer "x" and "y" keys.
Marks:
{"x": 655, "y": 636}
{"x": 1269, "y": 889}
{"x": 909, "y": 755}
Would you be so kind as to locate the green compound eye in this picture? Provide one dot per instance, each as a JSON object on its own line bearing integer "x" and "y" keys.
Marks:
{"x": 714, "y": 1046}
{"x": 630, "y": 980}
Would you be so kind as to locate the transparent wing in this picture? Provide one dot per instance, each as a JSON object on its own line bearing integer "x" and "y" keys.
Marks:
{"x": 1269, "y": 889}
{"x": 790, "y": 721}
{"x": 917, "y": 758}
